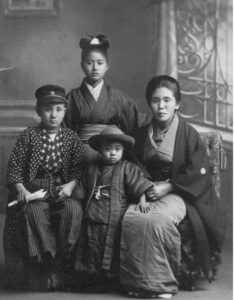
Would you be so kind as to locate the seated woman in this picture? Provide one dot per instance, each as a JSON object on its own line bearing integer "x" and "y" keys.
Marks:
{"x": 176, "y": 160}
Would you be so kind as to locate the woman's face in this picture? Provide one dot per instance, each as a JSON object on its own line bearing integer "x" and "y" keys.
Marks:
{"x": 163, "y": 105}
{"x": 95, "y": 66}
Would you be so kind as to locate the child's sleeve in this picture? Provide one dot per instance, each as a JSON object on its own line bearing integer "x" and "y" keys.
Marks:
{"x": 79, "y": 159}
{"x": 79, "y": 191}
{"x": 17, "y": 163}
{"x": 134, "y": 180}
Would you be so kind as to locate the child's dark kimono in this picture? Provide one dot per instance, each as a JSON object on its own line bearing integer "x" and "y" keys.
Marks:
{"x": 109, "y": 189}
{"x": 40, "y": 163}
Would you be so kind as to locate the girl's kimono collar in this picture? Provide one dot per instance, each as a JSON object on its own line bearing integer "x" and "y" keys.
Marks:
{"x": 95, "y": 91}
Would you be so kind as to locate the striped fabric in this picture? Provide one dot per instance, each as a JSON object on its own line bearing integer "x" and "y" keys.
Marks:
{"x": 41, "y": 163}
{"x": 48, "y": 231}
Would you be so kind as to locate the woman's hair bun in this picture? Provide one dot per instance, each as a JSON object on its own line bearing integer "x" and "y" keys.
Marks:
{"x": 99, "y": 41}
{"x": 103, "y": 40}
{"x": 85, "y": 42}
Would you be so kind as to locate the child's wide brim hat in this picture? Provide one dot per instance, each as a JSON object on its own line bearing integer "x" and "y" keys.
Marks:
{"x": 110, "y": 134}
{"x": 50, "y": 94}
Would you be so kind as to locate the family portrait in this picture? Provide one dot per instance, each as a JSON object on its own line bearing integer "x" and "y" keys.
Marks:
{"x": 116, "y": 125}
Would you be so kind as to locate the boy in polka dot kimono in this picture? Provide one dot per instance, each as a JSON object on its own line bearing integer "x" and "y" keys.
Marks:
{"x": 44, "y": 232}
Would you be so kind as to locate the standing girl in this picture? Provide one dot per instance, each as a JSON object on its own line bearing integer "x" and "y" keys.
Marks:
{"x": 95, "y": 104}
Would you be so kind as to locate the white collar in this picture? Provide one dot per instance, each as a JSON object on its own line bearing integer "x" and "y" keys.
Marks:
{"x": 95, "y": 91}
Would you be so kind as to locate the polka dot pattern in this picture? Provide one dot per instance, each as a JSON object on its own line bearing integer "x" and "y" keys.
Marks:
{"x": 29, "y": 154}
{"x": 50, "y": 154}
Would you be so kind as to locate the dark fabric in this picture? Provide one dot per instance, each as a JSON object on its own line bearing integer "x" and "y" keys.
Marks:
{"x": 25, "y": 158}
{"x": 202, "y": 247}
{"x": 191, "y": 179}
{"x": 26, "y": 166}
{"x": 112, "y": 108}
{"x": 47, "y": 231}
{"x": 99, "y": 247}
{"x": 11, "y": 246}
{"x": 99, "y": 207}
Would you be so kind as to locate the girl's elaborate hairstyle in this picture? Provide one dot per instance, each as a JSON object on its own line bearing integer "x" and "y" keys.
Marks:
{"x": 89, "y": 43}
{"x": 163, "y": 81}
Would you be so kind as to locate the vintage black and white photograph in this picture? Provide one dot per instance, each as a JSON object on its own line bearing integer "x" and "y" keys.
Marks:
{"x": 116, "y": 149}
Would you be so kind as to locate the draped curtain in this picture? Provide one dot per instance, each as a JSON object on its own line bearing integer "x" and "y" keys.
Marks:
{"x": 164, "y": 44}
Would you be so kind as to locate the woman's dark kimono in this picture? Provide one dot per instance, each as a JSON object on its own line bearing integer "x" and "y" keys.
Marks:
{"x": 191, "y": 179}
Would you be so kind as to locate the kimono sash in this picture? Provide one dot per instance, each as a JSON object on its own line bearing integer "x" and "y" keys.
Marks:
{"x": 88, "y": 130}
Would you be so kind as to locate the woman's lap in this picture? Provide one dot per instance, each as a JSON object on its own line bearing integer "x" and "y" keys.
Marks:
{"x": 172, "y": 206}
{"x": 150, "y": 246}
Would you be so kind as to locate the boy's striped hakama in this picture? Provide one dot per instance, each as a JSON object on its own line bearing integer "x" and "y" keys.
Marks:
{"x": 47, "y": 231}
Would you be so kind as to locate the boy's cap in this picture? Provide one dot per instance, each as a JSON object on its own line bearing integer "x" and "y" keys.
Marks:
{"x": 110, "y": 134}
{"x": 49, "y": 93}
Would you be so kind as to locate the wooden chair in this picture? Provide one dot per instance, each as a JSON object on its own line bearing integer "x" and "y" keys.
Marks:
{"x": 189, "y": 268}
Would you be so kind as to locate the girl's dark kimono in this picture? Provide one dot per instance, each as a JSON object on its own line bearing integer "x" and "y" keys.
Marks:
{"x": 112, "y": 108}
{"x": 191, "y": 179}
{"x": 37, "y": 162}
{"x": 108, "y": 193}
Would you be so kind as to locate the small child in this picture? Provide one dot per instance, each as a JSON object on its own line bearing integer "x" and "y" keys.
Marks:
{"x": 49, "y": 157}
{"x": 110, "y": 184}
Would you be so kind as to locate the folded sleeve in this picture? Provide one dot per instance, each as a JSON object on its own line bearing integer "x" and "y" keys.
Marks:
{"x": 79, "y": 159}
{"x": 18, "y": 160}
{"x": 135, "y": 182}
{"x": 194, "y": 176}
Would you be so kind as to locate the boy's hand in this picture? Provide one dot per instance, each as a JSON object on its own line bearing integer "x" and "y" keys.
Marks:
{"x": 23, "y": 193}
{"x": 23, "y": 196}
{"x": 66, "y": 189}
{"x": 143, "y": 206}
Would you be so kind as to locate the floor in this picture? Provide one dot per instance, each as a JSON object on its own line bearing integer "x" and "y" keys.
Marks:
{"x": 222, "y": 289}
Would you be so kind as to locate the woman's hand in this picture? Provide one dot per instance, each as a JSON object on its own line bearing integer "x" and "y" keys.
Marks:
{"x": 23, "y": 193}
{"x": 143, "y": 206}
{"x": 159, "y": 190}
{"x": 66, "y": 189}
